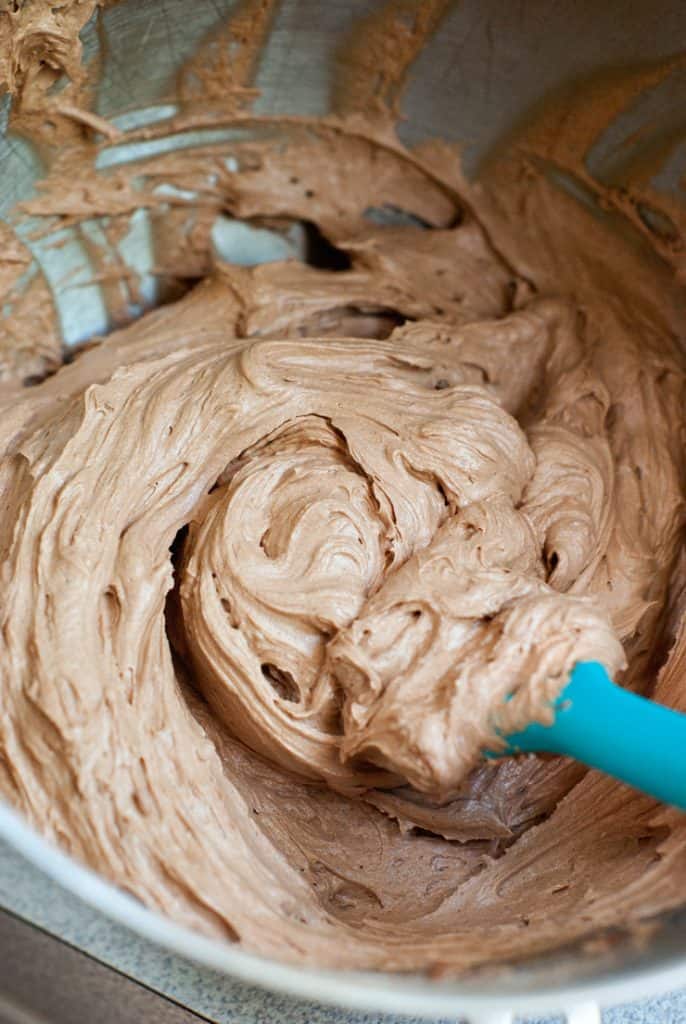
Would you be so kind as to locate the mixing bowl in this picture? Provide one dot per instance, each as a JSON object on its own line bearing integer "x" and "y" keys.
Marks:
{"x": 486, "y": 67}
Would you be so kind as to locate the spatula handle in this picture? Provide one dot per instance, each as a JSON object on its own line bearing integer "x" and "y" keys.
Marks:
{"x": 626, "y": 736}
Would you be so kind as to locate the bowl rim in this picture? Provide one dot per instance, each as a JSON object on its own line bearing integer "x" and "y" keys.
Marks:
{"x": 358, "y": 990}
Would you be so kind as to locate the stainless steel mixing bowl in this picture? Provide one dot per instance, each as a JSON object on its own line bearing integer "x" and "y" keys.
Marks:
{"x": 489, "y": 63}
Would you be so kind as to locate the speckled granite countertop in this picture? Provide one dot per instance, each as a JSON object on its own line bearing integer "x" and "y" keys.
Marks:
{"x": 32, "y": 896}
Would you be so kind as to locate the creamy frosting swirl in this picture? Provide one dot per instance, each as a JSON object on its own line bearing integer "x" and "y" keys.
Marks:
{"x": 363, "y": 466}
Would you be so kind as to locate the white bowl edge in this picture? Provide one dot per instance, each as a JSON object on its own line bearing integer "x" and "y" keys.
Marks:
{"x": 356, "y": 990}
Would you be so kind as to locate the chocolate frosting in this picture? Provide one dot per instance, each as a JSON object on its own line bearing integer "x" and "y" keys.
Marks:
{"x": 282, "y": 558}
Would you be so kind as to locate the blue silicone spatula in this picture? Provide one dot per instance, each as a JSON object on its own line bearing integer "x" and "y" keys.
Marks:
{"x": 624, "y": 735}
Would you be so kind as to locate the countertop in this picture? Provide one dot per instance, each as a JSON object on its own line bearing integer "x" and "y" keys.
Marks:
{"x": 59, "y": 976}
